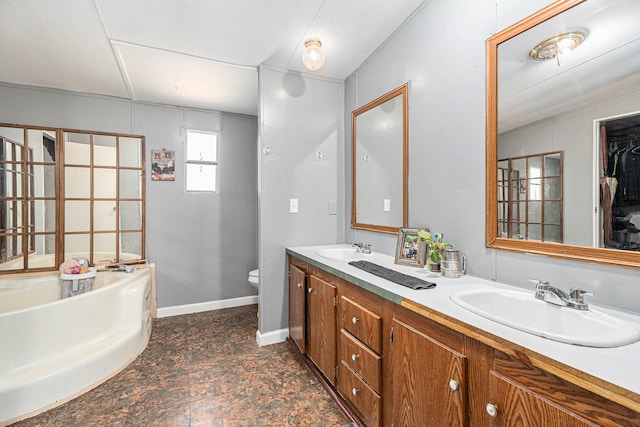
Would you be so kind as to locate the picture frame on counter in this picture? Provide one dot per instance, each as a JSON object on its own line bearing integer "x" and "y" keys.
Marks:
{"x": 410, "y": 249}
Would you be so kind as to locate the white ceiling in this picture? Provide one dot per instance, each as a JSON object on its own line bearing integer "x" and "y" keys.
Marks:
{"x": 192, "y": 53}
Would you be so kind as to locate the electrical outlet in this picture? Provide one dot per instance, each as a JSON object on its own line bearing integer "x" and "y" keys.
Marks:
{"x": 387, "y": 205}
{"x": 293, "y": 205}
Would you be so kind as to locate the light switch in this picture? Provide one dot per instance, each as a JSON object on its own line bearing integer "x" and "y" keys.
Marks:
{"x": 293, "y": 205}
{"x": 333, "y": 207}
{"x": 387, "y": 205}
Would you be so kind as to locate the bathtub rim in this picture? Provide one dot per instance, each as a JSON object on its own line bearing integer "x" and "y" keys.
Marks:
{"x": 125, "y": 276}
{"x": 133, "y": 356}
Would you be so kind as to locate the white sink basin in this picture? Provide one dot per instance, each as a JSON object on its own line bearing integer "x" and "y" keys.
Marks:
{"x": 343, "y": 253}
{"x": 521, "y": 310}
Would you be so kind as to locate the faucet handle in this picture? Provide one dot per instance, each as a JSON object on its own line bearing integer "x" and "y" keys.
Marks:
{"x": 577, "y": 294}
{"x": 541, "y": 285}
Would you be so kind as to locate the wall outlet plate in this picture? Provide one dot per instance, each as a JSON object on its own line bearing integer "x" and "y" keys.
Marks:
{"x": 333, "y": 207}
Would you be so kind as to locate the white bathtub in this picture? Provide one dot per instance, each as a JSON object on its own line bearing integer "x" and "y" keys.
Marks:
{"x": 53, "y": 350}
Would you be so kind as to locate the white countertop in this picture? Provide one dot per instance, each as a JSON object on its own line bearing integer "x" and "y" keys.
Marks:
{"x": 619, "y": 365}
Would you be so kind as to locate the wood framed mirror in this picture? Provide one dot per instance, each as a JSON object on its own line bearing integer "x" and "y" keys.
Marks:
{"x": 380, "y": 164}
{"x": 574, "y": 105}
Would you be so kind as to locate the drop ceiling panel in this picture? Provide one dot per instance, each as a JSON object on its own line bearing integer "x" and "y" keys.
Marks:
{"x": 247, "y": 32}
{"x": 175, "y": 79}
{"x": 58, "y": 44}
{"x": 143, "y": 50}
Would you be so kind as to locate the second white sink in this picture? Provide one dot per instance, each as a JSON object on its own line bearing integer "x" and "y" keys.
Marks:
{"x": 343, "y": 253}
{"x": 522, "y": 311}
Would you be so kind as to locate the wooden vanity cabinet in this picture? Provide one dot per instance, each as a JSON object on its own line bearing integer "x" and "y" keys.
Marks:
{"x": 360, "y": 351}
{"x": 402, "y": 364}
{"x": 321, "y": 324}
{"x": 429, "y": 373}
{"x": 312, "y": 315}
{"x": 297, "y": 306}
{"x": 522, "y": 394}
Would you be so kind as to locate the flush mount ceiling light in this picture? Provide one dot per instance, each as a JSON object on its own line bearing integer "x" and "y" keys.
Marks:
{"x": 313, "y": 55}
{"x": 554, "y": 47}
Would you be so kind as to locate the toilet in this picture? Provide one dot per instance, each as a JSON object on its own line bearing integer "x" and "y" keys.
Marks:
{"x": 253, "y": 278}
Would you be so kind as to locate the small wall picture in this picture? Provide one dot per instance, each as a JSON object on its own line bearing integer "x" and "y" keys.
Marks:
{"x": 410, "y": 250}
{"x": 163, "y": 165}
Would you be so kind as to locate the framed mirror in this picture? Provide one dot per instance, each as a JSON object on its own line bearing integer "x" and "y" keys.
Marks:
{"x": 380, "y": 163}
{"x": 563, "y": 121}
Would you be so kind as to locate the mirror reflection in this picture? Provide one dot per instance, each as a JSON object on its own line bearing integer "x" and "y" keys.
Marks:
{"x": 27, "y": 196}
{"x": 379, "y": 164}
{"x": 103, "y": 201}
{"x": 579, "y": 103}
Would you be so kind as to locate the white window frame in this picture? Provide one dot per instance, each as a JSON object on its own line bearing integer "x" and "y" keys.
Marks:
{"x": 215, "y": 163}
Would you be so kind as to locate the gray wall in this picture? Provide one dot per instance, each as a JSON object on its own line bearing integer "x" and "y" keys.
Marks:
{"x": 447, "y": 142}
{"x": 203, "y": 244}
{"x": 299, "y": 117}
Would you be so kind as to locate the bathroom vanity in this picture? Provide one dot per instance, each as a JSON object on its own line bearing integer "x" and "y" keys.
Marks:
{"x": 396, "y": 356}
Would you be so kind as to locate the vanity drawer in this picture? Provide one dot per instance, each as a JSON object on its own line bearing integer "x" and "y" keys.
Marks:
{"x": 360, "y": 359}
{"x": 363, "y": 398}
{"x": 362, "y": 323}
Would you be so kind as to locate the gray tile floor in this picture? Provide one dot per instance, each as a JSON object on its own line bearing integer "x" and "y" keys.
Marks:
{"x": 204, "y": 369}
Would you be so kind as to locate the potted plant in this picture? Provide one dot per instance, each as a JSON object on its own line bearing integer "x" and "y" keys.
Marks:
{"x": 436, "y": 247}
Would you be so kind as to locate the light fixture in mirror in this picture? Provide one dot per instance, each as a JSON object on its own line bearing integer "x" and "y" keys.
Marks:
{"x": 380, "y": 163}
{"x": 536, "y": 107}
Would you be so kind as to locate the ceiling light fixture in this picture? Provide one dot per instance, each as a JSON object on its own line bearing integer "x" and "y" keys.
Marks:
{"x": 554, "y": 47}
{"x": 313, "y": 55}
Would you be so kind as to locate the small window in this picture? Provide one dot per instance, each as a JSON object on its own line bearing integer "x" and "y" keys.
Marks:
{"x": 202, "y": 161}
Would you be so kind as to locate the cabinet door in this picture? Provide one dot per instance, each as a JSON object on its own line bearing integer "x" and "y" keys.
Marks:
{"x": 297, "y": 306}
{"x": 513, "y": 404}
{"x": 321, "y": 325}
{"x": 429, "y": 380}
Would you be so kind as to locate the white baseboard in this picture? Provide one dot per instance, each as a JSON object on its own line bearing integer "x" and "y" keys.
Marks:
{"x": 206, "y": 306}
{"x": 272, "y": 337}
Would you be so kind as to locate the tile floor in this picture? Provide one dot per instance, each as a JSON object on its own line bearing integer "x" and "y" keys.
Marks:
{"x": 204, "y": 369}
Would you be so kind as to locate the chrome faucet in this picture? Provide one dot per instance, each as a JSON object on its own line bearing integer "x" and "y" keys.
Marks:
{"x": 364, "y": 248}
{"x": 574, "y": 299}
{"x": 119, "y": 267}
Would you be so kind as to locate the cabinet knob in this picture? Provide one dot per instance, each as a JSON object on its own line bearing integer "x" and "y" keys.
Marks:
{"x": 355, "y": 391}
{"x": 354, "y": 320}
{"x": 492, "y": 409}
{"x": 454, "y": 385}
{"x": 299, "y": 284}
{"x": 309, "y": 290}
{"x": 354, "y": 357}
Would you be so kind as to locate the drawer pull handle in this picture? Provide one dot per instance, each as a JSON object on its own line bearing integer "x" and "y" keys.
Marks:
{"x": 354, "y": 320}
{"x": 454, "y": 385}
{"x": 299, "y": 284}
{"x": 309, "y": 290}
{"x": 355, "y": 391}
{"x": 354, "y": 357}
{"x": 492, "y": 410}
